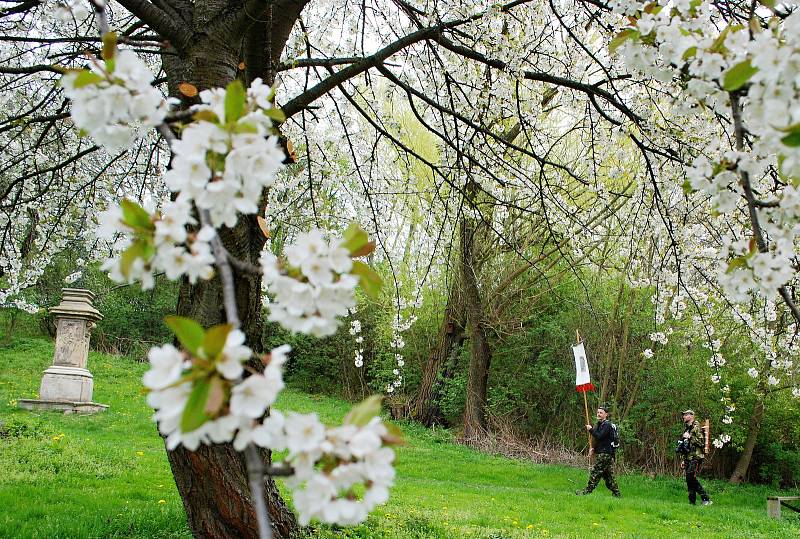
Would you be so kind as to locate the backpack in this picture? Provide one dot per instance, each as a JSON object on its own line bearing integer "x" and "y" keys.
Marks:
{"x": 614, "y": 436}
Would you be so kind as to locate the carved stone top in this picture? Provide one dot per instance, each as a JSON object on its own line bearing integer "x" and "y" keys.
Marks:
{"x": 76, "y": 303}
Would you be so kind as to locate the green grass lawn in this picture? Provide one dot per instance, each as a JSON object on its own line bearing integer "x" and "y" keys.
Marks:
{"x": 106, "y": 475}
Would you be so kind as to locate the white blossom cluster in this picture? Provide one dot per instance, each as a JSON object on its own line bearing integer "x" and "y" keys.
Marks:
{"x": 363, "y": 463}
{"x": 401, "y": 323}
{"x": 114, "y": 102}
{"x": 320, "y": 491}
{"x": 315, "y": 287}
{"x": 162, "y": 246}
{"x": 223, "y": 164}
{"x": 763, "y": 63}
{"x": 249, "y": 399}
{"x": 355, "y": 331}
{"x": 71, "y": 9}
{"x": 721, "y": 440}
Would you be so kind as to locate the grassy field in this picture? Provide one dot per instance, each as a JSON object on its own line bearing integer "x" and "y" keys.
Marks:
{"x": 107, "y": 476}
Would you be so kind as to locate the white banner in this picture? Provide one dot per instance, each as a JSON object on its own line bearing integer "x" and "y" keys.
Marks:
{"x": 581, "y": 368}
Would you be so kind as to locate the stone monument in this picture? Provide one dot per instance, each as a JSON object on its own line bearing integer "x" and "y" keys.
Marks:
{"x": 67, "y": 384}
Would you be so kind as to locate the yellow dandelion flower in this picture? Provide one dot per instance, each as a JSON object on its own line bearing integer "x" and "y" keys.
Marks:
{"x": 161, "y": 502}
{"x": 140, "y": 453}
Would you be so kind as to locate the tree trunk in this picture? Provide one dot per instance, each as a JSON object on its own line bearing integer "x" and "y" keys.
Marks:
{"x": 480, "y": 353}
{"x": 216, "y": 496}
{"x": 212, "y": 481}
{"x": 753, "y": 428}
{"x": 425, "y": 407}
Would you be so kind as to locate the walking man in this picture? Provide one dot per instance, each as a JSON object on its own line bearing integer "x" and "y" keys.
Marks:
{"x": 603, "y": 448}
{"x": 691, "y": 446}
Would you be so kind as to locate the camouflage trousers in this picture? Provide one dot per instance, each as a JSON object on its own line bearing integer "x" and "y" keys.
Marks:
{"x": 603, "y": 467}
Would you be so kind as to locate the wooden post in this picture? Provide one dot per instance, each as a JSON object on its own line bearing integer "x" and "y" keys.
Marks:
{"x": 707, "y": 434}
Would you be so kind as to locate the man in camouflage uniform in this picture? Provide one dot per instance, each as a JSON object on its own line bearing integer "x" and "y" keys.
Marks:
{"x": 693, "y": 442}
{"x": 603, "y": 435}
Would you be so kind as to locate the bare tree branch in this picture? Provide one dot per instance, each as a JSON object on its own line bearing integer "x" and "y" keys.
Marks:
{"x": 159, "y": 21}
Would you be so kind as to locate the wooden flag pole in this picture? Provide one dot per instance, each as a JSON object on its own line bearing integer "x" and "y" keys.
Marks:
{"x": 586, "y": 409}
{"x": 585, "y": 402}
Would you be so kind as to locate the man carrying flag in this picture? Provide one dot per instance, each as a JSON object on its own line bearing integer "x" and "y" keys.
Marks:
{"x": 603, "y": 433}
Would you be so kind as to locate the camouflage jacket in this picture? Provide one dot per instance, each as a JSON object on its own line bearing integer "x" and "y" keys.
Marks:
{"x": 697, "y": 441}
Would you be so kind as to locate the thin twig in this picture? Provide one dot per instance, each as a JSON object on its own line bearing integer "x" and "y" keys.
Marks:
{"x": 255, "y": 475}
{"x": 279, "y": 471}
{"x": 102, "y": 16}
{"x": 225, "y": 274}
{"x": 243, "y": 265}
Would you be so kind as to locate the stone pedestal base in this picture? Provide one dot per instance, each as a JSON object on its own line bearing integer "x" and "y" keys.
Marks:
{"x": 66, "y": 407}
{"x": 67, "y": 389}
{"x": 62, "y": 383}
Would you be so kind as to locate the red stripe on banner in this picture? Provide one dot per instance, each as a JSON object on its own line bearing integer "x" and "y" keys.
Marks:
{"x": 584, "y": 387}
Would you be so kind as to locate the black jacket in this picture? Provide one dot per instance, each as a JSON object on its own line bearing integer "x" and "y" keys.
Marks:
{"x": 603, "y": 434}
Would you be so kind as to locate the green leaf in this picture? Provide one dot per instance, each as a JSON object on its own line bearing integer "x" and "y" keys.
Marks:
{"x": 189, "y": 333}
{"x": 370, "y": 281}
{"x": 245, "y": 127}
{"x": 364, "y": 251}
{"x": 738, "y": 75}
{"x": 719, "y": 43}
{"x": 393, "y": 436}
{"x": 137, "y": 249}
{"x": 738, "y": 262}
{"x": 741, "y": 261}
{"x": 194, "y": 414}
{"x": 135, "y": 216}
{"x": 768, "y": 3}
{"x": 275, "y": 114}
{"x": 87, "y": 78}
{"x": 206, "y": 115}
{"x": 622, "y": 37}
{"x": 653, "y": 8}
{"x": 363, "y": 412}
{"x": 355, "y": 238}
{"x": 109, "y": 45}
{"x": 687, "y": 187}
{"x": 792, "y": 139}
{"x": 235, "y": 99}
{"x": 214, "y": 341}
{"x": 689, "y": 53}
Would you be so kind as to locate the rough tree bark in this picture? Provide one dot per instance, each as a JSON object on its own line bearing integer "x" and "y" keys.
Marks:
{"x": 753, "y": 428}
{"x": 425, "y": 407}
{"x": 480, "y": 352}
